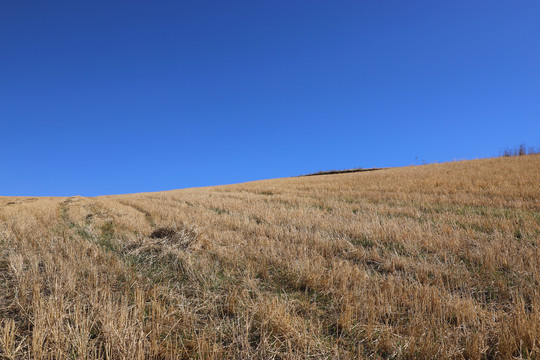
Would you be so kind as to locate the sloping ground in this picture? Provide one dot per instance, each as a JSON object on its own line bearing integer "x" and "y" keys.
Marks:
{"x": 436, "y": 261}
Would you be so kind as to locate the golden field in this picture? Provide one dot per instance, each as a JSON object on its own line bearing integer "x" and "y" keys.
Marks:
{"x": 430, "y": 262}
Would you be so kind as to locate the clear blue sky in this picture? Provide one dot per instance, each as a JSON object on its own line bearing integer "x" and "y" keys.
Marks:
{"x": 106, "y": 97}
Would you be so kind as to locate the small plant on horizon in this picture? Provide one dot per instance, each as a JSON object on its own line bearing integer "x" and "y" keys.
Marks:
{"x": 520, "y": 151}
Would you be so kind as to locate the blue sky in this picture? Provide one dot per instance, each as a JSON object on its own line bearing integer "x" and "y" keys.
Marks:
{"x": 108, "y": 97}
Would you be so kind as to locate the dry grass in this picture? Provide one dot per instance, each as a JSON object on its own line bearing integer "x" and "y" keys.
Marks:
{"x": 435, "y": 261}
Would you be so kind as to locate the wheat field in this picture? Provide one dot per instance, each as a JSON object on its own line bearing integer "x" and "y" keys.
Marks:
{"x": 434, "y": 261}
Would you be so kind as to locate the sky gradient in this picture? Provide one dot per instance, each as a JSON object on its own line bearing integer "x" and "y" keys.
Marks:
{"x": 110, "y": 97}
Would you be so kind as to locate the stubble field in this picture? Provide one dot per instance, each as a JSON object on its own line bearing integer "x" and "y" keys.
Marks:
{"x": 434, "y": 261}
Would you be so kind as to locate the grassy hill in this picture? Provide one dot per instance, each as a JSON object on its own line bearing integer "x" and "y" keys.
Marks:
{"x": 434, "y": 261}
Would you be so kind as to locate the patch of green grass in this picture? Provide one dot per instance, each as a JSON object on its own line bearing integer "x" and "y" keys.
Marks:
{"x": 107, "y": 230}
{"x": 107, "y": 244}
{"x": 82, "y": 232}
{"x": 394, "y": 246}
{"x": 363, "y": 241}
